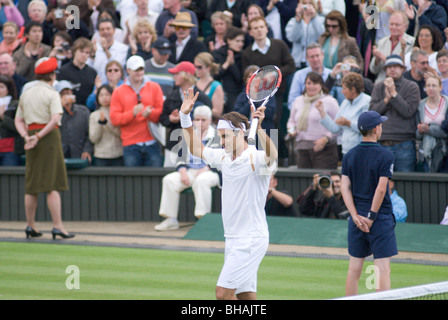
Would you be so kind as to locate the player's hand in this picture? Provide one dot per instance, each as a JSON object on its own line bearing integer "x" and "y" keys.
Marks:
{"x": 189, "y": 101}
{"x": 259, "y": 114}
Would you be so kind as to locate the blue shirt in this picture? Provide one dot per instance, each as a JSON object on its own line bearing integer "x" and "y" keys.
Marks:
{"x": 399, "y": 207}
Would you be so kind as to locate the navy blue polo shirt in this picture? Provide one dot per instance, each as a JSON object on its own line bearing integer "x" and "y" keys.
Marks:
{"x": 364, "y": 165}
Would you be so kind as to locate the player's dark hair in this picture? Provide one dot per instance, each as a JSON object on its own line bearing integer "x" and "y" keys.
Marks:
{"x": 237, "y": 119}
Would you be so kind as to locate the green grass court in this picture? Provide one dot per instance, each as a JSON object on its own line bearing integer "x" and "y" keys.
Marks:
{"x": 38, "y": 271}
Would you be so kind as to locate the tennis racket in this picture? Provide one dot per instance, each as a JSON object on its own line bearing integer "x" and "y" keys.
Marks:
{"x": 262, "y": 86}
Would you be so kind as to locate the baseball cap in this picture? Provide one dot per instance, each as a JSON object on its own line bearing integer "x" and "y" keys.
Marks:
{"x": 63, "y": 84}
{"x": 162, "y": 45}
{"x": 369, "y": 120}
{"x": 393, "y": 59}
{"x": 186, "y": 66}
{"x": 135, "y": 62}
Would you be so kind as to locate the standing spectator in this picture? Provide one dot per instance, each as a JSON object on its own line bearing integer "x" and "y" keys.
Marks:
{"x": 336, "y": 42}
{"x": 221, "y": 22}
{"x": 303, "y": 29}
{"x": 126, "y": 8}
{"x": 140, "y": 41}
{"x": 133, "y": 104}
{"x": 397, "y": 98}
{"x": 186, "y": 47}
{"x": 107, "y": 146}
{"x": 27, "y": 55}
{"x": 442, "y": 66}
{"x": 431, "y": 112}
{"x": 108, "y": 14}
{"x": 254, "y": 10}
{"x": 107, "y": 49}
{"x": 37, "y": 120}
{"x": 277, "y": 14}
{"x": 88, "y": 9}
{"x": 419, "y": 67}
{"x": 78, "y": 72}
{"x": 235, "y": 8}
{"x": 170, "y": 10}
{"x": 8, "y": 68}
{"x": 75, "y": 125}
{"x": 143, "y": 13}
{"x": 230, "y": 72}
{"x": 61, "y": 48}
{"x": 10, "y": 42}
{"x": 425, "y": 12}
{"x": 316, "y": 146}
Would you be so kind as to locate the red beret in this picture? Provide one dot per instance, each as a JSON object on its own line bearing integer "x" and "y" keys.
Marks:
{"x": 45, "y": 65}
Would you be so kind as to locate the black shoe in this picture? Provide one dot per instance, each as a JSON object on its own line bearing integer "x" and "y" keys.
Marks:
{"x": 56, "y": 232}
{"x": 30, "y": 232}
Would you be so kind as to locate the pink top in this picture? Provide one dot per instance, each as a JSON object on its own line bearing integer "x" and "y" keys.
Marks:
{"x": 13, "y": 14}
{"x": 435, "y": 115}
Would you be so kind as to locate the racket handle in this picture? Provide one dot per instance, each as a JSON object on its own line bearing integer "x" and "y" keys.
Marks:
{"x": 253, "y": 131}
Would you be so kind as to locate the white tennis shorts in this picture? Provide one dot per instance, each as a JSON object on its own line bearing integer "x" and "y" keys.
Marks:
{"x": 241, "y": 261}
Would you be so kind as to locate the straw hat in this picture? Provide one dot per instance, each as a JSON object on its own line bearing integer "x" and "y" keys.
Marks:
{"x": 183, "y": 19}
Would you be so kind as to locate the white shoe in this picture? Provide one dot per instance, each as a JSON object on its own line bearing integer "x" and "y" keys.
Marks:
{"x": 167, "y": 224}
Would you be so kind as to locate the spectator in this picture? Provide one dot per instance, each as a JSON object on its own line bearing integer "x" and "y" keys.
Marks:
{"x": 9, "y": 12}
{"x": 235, "y": 9}
{"x": 133, "y": 104}
{"x": 115, "y": 77}
{"x": 205, "y": 69}
{"x": 277, "y": 14}
{"x": 303, "y": 29}
{"x": 37, "y": 11}
{"x": 126, "y": 8}
{"x": 171, "y": 9}
{"x": 431, "y": 113}
{"x": 61, "y": 48}
{"x": 278, "y": 202}
{"x": 107, "y": 49}
{"x": 346, "y": 119}
{"x": 143, "y": 13}
{"x": 429, "y": 40}
{"x": 336, "y": 42}
{"x": 221, "y": 22}
{"x": 254, "y": 10}
{"x": 316, "y": 146}
{"x": 8, "y": 68}
{"x": 89, "y": 9}
{"x": 10, "y": 42}
{"x": 78, "y": 72}
{"x": 108, "y": 14}
{"x": 75, "y": 125}
{"x": 326, "y": 6}
{"x": 425, "y": 12}
{"x": 315, "y": 58}
{"x": 322, "y": 201}
{"x": 230, "y": 72}
{"x": 442, "y": 66}
{"x": 141, "y": 40}
{"x": 107, "y": 146}
{"x": 399, "y": 207}
{"x": 27, "y": 55}
{"x": 419, "y": 67}
{"x": 186, "y": 47}
{"x": 184, "y": 79}
{"x": 157, "y": 67}
{"x": 398, "y": 99}
{"x": 398, "y": 43}
{"x": 243, "y": 106}
{"x": 194, "y": 173}
{"x": 11, "y": 143}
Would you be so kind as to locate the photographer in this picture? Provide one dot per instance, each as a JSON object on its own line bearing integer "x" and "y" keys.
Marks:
{"x": 323, "y": 198}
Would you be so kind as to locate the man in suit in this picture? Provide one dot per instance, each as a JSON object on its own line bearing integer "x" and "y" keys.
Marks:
{"x": 186, "y": 47}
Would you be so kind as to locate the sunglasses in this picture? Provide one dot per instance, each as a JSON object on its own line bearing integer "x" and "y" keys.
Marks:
{"x": 329, "y": 26}
{"x": 177, "y": 28}
{"x": 199, "y": 67}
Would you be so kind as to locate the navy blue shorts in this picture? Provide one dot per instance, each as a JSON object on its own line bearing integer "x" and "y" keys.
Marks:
{"x": 380, "y": 241}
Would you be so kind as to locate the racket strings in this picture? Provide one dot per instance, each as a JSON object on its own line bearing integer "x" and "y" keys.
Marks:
{"x": 263, "y": 84}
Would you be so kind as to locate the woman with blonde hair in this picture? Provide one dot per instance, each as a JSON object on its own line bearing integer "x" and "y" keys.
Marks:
{"x": 205, "y": 69}
{"x": 10, "y": 42}
{"x": 220, "y": 23}
{"x": 142, "y": 37}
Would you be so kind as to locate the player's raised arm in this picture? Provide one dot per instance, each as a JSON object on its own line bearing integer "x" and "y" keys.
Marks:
{"x": 266, "y": 143}
{"x": 191, "y": 138}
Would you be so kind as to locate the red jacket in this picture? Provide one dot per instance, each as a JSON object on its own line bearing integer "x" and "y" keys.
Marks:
{"x": 135, "y": 129}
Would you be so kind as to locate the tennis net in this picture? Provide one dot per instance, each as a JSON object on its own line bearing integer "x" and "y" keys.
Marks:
{"x": 433, "y": 291}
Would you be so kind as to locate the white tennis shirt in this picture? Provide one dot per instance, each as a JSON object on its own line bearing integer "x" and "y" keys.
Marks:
{"x": 245, "y": 187}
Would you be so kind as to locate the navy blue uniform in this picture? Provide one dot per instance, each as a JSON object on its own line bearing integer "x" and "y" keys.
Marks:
{"x": 364, "y": 165}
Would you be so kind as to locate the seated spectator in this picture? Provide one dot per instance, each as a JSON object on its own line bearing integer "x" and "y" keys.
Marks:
{"x": 192, "y": 172}
{"x": 10, "y": 41}
{"x": 8, "y": 68}
{"x": 107, "y": 49}
{"x": 425, "y": 12}
{"x": 316, "y": 146}
{"x": 78, "y": 72}
{"x": 322, "y": 201}
{"x": 61, "y": 48}
{"x": 278, "y": 202}
{"x": 185, "y": 47}
{"x": 398, "y": 43}
{"x": 243, "y": 106}
{"x": 27, "y": 55}
{"x": 230, "y": 72}
{"x": 206, "y": 68}
{"x": 11, "y": 143}
{"x": 399, "y": 207}
{"x": 442, "y": 66}
{"x": 74, "y": 125}
{"x": 143, "y": 13}
{"x": 114, "y": 78}
{"x": 107, "y": 146}
{"x": 184, "y": 79}
{"x": 336, "y": 42}
{"x": 346, "y": 120}
{"x": 429, "y": 40}
{"x": 108, "y": 14}
{"x": 303, "y": 29}
{"x": 419, "y": 67}
{"x": 431, "y": 113}
{"x": 140, "y": 41}
{"x": 133, "y": 104}
{"x": 221, "y": 22}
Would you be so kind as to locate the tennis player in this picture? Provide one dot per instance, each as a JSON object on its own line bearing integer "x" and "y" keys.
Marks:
{"x": 366, "y": 170}
{"x": 246, "y": 173}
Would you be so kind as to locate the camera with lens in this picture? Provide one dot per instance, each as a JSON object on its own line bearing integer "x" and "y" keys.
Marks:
{"x": 58, "y": 13}
{"x": 324, "y": 181}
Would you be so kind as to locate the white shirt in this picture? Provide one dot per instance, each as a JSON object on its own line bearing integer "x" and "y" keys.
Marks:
{"x": 118, "y": 51}
{"x": 244, "y": 189}
{"x": 264, "y": 50}
{"x": 180, "y": 46}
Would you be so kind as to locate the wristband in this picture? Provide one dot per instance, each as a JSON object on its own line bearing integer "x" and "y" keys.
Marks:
{"x": 185, "y": 120}
{"x": 372, "y": 215}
